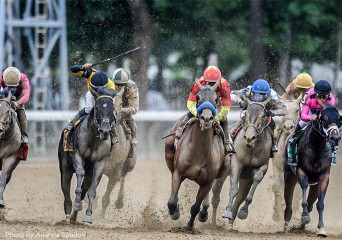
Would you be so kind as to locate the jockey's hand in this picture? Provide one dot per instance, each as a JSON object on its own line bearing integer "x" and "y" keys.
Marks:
{"x": 313, "y": 117}
{"x": 87, "y": 66}
{"x": 269, "y": 113}
{"x": 15, "y": 105}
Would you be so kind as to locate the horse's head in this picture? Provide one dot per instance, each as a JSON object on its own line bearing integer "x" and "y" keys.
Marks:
{"x": 255, "y": 120}
{"x": 290, "y": 120}
{"x": 207, "y": 102}
{"x": 5, "y": 109}
{"x": 330, "y": 121}
{"x": 103, "y": 112}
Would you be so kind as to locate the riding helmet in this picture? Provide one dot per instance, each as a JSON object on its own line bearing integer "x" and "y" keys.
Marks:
{"x": 322, "y": 87}
{"x": 303, "y": 80}
{"x": 11, "y": 76}
{"x": 261, "y": 86}
{"x": 120, "y": 76}
{"x": 212, "y": 74}
{"x": 99, "y": 79}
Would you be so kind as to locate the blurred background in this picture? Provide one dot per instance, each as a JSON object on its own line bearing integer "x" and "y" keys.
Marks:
{"x": 246, "y": 39}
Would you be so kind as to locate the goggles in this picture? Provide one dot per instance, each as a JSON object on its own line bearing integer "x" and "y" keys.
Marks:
{"x": 258, "y": 97}
{"x": 322, "y": 96}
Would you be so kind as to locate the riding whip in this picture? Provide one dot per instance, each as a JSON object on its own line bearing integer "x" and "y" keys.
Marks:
{"x": 108, "y": 59}
{"x": 282, "y": 88}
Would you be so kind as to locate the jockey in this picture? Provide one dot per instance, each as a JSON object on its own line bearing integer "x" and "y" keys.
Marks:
{"x": 210, "y": 76}
{"x": 299, "y": 86}
{"x": 95, "y": 79}
{"x": 130, "y": 106}
{"x": 259, "y": 92}
{"x": 13, "y": 79}
{"x": 317, "y": 98}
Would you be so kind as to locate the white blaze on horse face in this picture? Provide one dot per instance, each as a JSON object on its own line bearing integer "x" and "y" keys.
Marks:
{"x": 104, "y": 105}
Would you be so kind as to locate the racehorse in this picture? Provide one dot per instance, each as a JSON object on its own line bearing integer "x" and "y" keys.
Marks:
{"x": 118, "y": 164}
{"x": 199, "y": 155}
{"x": 314, "y": 156}
{"x": 288, "y": 122}
{"x": 10, "y": 140}
{"x": 92, "y": 146}
{"x": 250, "y": 163}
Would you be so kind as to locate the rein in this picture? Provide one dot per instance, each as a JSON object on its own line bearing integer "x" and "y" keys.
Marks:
{"x": 258, "y": 131}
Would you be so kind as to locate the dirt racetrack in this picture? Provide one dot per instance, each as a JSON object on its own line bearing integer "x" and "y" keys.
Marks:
{"x": 35, "y": 208}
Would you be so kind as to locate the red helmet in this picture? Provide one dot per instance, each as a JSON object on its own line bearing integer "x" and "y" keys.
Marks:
{"x": 212, "y": 74}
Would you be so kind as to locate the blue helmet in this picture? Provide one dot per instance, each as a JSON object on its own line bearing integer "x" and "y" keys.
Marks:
{"x": 261, "y": 86}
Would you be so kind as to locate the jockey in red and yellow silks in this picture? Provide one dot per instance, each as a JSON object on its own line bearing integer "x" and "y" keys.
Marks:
{"x": 210, "y": 76}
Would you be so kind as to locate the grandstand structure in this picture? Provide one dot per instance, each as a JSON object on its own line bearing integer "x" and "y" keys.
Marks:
{"x": 36, "y": 29}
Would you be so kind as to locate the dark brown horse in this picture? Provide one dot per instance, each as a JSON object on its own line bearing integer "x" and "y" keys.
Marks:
{"x": 199, "y": 156}
{"x": 10, "y": 140}
{"x": 313, "y": 168}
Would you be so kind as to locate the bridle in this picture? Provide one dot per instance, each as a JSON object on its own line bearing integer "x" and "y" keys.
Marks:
{"x": 260, "y": 130}
{"x": 102, "y": 120}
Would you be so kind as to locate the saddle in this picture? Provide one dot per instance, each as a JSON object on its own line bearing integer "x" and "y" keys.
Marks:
{"x": 68, "y": 136}
{"x": 292, "y": 148}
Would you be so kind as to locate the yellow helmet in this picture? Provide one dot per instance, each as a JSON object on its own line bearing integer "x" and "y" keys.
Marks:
{"x": 303, "y": 80}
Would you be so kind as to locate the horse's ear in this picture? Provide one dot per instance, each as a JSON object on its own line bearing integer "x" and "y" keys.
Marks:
{"x": 243, "y": 98}
{"x": 300, "y": 97}
{"x": 200, "y": 86}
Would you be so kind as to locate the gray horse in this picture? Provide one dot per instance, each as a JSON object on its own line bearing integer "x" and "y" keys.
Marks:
{"x": 250, "y": 163}
{"x": 118, "y": 164}
{"x": 199, "y": 155}
{"x": 289, "y": 122}
{"x": 92, "y": 147}
{"x": 10, "y": 140}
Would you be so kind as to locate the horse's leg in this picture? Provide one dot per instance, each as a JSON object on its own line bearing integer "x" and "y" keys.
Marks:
{"x": 172, "y": 204}
{"x": 244, "y": 189}
{"x": 215, "y": 200}
{"x": 322, "y": 190}
{"x": 66, "y": 171}
{"x": 203, "y": 214}
{"x": 119, "y": 202}
{"x": 312, "y": 196}
{"x": 304, "y": 184}
{"x": 112, "y": 179}
{"x": 8, "y": 165}
{"x": 98, "y": 170}
{"x": 277, "y": 183}
{"x": 203, "y": 192}
{"x": 235, "y": 172}
{"x": 290, "y": 181}
{"x": 257, "y": 178}
{"x": 78, "y": 166}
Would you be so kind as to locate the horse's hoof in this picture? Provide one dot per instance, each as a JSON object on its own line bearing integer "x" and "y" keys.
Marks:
{"x": 73, "y": 217}
{"x": 242, "y": 214}
{"x": 77, "y": 206}
{"x": 88, "y": 219}
{"x": 119, "y": 204}
{"x": 176, "y": 215}
{"x": 2, "y": 204}
{"x": 286, "y": 227}
{"x": 203, "y": 216}
{"x": 321, "y": 232}
{"x": 67, "y": 217}
{"x": 305, "y": 219}
{"x": 230, "y": 227}
{"x": 227, "y": 214}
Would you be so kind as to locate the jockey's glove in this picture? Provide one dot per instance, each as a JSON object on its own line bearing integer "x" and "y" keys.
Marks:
{"x": 269, "y": 113}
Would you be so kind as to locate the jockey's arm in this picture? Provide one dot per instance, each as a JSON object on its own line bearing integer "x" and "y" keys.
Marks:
{"x": 223, "y": 113}
{"x": 79, "y": 70}
{"x": 25, "y": 90}
{"x": 191, "y": 105}
{"x": 133, "y": 100}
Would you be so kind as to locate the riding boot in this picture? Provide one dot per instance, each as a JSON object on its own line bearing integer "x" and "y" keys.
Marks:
{"x": 180, "y": 129}
{"x": 23, "y": 150}
{"x": 228, "y": 144}
{"x": 69, "y": 137}
{"x": 295, "y": 133}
